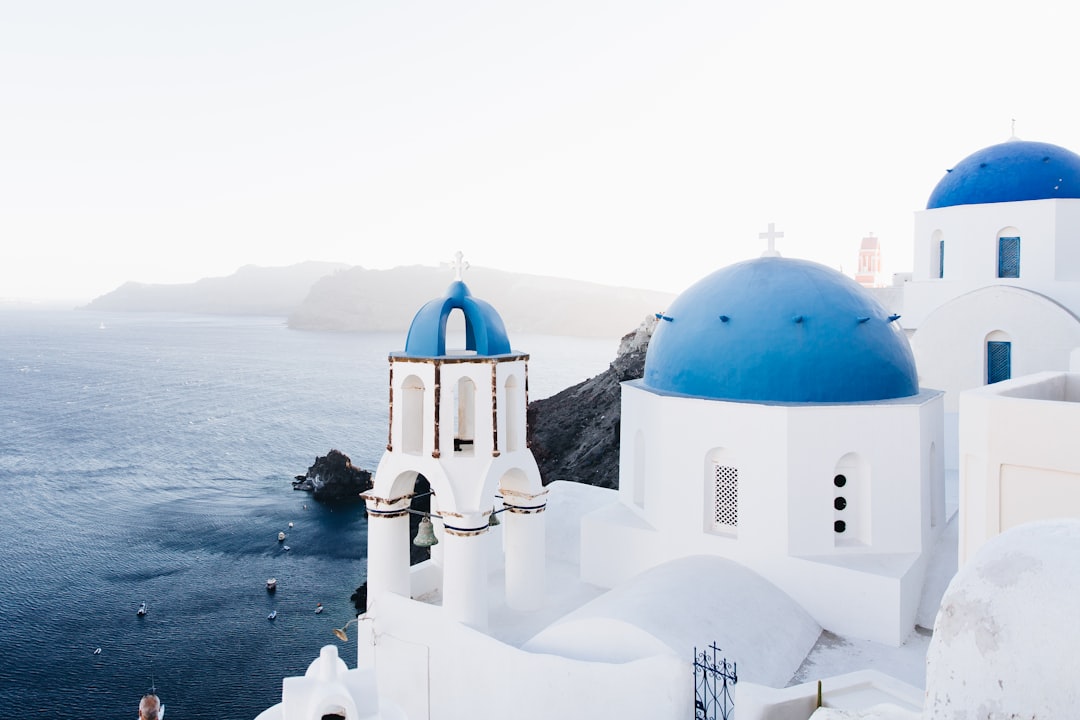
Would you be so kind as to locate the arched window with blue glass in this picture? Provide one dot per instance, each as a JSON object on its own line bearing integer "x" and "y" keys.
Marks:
{"x": 1008, "y": 243}
{"x": 998, "y": 357}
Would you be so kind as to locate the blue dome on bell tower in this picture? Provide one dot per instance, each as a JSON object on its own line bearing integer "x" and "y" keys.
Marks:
{"x": 485, "y": 333}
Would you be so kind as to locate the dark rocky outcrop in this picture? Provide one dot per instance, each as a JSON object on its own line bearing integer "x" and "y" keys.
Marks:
{"x": 574, "y": 435}
{"x": 333, "y": 478}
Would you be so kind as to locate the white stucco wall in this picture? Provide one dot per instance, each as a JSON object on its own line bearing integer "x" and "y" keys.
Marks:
{"x": 1006, "y": 633}
{"x": 1019, "y": 456}
{"x": 433, "y": 667}
{"x": 787, "y": 456}
{"x": 1049, "y": 256}
{"x": 950, "y": 346}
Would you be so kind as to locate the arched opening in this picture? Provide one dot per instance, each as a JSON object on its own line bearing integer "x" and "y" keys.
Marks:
{"x": 998, "y": 350}
{"x": 851, "y": 501}
{"x": 513, "y": 411}
{"x": 456, "y": 338}
{"x": 721, "y": 492}
{"x": 937, "y": 254}
{"x": 412, "y": 415}
{"x": 464, "y": 415}
{"x": 1008, "y": 249}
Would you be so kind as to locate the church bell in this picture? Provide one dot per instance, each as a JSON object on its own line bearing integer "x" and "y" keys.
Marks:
{"x": 425, "y": 534}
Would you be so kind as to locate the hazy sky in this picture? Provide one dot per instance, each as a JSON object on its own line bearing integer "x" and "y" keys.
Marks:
{"x": 631, "y": 142}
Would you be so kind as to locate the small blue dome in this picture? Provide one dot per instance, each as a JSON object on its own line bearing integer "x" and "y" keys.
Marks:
{"x": 1008, "y": 172}
{"x": 484, "y": 330}
{"x": 780, "y": 330}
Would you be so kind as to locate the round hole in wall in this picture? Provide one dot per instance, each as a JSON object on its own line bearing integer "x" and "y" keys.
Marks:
{"x": 839, "y": 481}
{"x": 839, "y": 526}
{"x": 839, "y": 503}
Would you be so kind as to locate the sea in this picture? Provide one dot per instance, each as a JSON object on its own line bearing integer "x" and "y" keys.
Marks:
{"x": 148, "y": 458}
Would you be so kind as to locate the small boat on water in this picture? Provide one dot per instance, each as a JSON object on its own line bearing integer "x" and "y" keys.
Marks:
{"x": 271, "y": 585}
{"x": 281, "y": 537}
{"x": 286, "y": 547}
{"x": 318, "y": 608}
{"x": 290, "y": 524}
{"x": 142, "y": 610}
{"x": 272, "y": 615}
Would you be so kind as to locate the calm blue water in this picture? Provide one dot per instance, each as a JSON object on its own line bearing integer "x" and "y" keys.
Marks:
{"x": 151, "y": 460}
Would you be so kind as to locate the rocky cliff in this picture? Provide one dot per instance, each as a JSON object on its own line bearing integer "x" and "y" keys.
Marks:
{"x": 574, "y": 435}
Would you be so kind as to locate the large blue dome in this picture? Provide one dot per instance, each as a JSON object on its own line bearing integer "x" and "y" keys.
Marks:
{"x": 780, "y": 330}
{"x": 485, "y": 333}
{"x": 1008, "y": 172}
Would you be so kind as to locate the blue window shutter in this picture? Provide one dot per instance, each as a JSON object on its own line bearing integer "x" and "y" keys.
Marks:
{"x": 1009, "y": 257}
{"x": 941, "y": 259}
{"x": 998, "y": 361}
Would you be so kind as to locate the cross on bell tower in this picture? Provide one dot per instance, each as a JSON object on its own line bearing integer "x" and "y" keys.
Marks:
{"x": 459, "y": 264}
{"x": 771, "y": 235}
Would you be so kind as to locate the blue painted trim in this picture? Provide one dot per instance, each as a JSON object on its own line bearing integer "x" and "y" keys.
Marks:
{"x": 998, "y": 361}
{"x": 1008, "y": 257}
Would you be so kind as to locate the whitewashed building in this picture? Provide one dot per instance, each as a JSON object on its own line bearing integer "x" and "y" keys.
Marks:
{"x": 780, "y": 424}
{"x": 995, "y": 287}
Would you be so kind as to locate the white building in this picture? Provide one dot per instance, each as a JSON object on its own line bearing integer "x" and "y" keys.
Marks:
{"x": 1020, "y": 459}
{"x": 779, "y": 424}
{"x": 995, "y": 288}
{"x": 780, "y": 459}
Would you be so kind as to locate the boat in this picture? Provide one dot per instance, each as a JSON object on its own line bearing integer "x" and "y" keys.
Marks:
{"x": 318, "y": 608}
{"x": 290, "y": 524}
{"x": 281, "y": 537}
{"x": 286, "y": 547}
{"x": 272, "y": 615}
{"x": 142, "y": 610}
{"x": 271, "y": 585}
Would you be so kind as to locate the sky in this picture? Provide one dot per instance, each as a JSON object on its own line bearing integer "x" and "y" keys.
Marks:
{"x": 640, "y": 143}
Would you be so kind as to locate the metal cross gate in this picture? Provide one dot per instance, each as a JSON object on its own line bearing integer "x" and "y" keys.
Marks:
{"x": 713, "y": 680}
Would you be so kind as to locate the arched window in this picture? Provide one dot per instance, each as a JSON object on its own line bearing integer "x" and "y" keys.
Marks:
{"x": 998, "y": 357}
{"x": 721, "y": 492}
{"x": 464, "y": 414}
{"x": 412, "y": 415}
{"x": 937, "y": 254}
{"x": 1008, "y": 242}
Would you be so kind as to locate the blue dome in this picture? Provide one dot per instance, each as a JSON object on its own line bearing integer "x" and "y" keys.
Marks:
{"x": 780, "y": 330}
{"x": 484, "y": 330}
{"x": 1012, "y": 171}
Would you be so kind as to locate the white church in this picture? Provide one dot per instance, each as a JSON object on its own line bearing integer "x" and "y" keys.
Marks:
{"x": 786, "y": 483}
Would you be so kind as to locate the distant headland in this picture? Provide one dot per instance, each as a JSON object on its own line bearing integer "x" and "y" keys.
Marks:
{"x": 337, "y": 297}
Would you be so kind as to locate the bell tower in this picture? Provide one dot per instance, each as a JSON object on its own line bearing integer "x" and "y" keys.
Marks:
{"x": 457, "y": 417}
